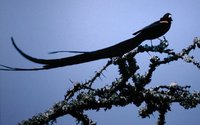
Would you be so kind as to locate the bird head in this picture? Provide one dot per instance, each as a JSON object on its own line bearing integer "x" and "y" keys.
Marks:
{"x": 167, "y": 17}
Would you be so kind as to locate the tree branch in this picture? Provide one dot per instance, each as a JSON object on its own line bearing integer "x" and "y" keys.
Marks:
{"x": 129, "y": 88}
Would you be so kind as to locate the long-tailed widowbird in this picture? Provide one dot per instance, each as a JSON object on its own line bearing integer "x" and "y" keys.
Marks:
{"x": 152, "y": 31}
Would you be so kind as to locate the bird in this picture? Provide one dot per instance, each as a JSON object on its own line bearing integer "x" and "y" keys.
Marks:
{"x": 156, "y": 29}
{"x": 150, "y": 32}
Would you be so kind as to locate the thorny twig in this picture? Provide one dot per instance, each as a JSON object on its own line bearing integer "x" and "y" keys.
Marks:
{"x": 122, "y": 91}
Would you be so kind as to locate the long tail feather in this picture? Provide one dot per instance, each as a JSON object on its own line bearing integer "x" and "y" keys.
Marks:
{"x": 8, "y": 68}
{"x": 32, "y": 59}
{"x": 63, "y": 51}
{"x": 109, "y": 52}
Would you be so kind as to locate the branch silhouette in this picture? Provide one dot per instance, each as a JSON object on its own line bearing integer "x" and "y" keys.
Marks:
{"x": 128, "y": 88}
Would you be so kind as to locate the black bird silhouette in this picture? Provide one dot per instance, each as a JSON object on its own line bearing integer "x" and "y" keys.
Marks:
{"x": 152, "y": 31}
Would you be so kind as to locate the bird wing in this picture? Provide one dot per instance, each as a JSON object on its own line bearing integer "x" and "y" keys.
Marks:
{"x": 155, "y": 24}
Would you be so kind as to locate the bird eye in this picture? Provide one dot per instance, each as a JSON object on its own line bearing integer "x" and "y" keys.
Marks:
{"x": 170, "y": 16}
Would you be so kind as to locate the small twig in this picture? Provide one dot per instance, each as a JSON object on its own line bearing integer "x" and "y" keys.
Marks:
{"x": 120, "y": 92}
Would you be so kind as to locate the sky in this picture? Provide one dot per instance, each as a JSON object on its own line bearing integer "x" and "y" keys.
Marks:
{"x": 39, "y": 27}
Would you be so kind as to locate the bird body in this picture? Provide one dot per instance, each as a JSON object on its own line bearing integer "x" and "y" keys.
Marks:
{"x": 156, "y": 29}
{"x": 152, "y": 31}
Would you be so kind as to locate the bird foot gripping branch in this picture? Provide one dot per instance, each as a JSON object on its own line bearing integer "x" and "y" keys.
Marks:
{"x": 152, "y": 31}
